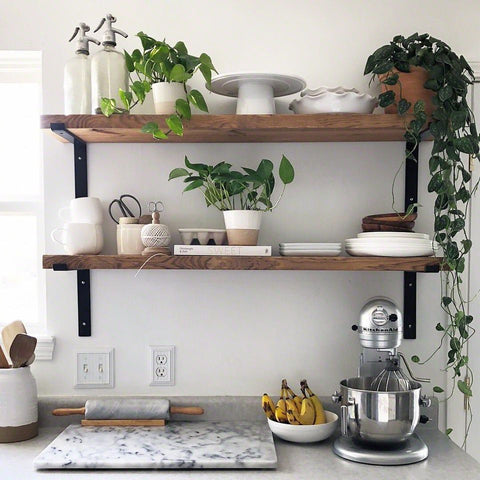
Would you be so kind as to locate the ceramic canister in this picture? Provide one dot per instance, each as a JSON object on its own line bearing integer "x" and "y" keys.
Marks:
{"x": 18, "y": 405}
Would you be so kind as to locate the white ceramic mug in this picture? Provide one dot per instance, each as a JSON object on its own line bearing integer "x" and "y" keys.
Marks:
{"x": 83, "y": 210}
{"x": 129, "y": 239}
{"x": 80, "y": 238}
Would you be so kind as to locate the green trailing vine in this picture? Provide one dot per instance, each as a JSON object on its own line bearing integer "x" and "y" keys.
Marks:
{"x": 156, "y": 62}
{"x": 455, "y": 143}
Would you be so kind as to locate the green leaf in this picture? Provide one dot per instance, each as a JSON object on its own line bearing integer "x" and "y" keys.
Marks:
{"x": 386, "y": 98}
{"x": 467, "y": 245}
{"x": 108, "y": 106}
{"x": 183, "y": 108}
{"x": 175, "y": 124}
{"x": 196, "y": 98}
{"x": 369, "y": 66}
{"x": 264, "y": 169}
{"x": 458, "y": 119}
{"x": 446, "y": 301}
{"x": 431, "y": 84}
{"x": 391, "y": 79}
{"x": 464, "y": 144}
{"x": 383, "y": 67}
{"x": 197, "y": 167}
{"x": 439, "y": 327}
{"x": 178, "y": 172}
{"x": 139, "y": 89}
{"x": 150, "y": 127}
{"x": 207, "y": 73}
{"x": 125, "y": 97}
{"x": 434, "y": 163}
{"x": 159, "y": 134}
{"x": 403, "y": 106}
{"x": 207, "y": 61}
{"x": 129, "y": 61}
{"x": 438, "y": 390}
{"x": 181, "y": 48}
{"x": 193, "y": 185}
{"x": 177, "y": 73}
{"x": 448, "y": 431}
{"x": 445, "y": 93}
{"x": 147, "y": 42}
{"x": 286, "y": 171}
{"x": 464, "y": 388}
{"x": 435, "y": 183}
{"x": 415, "y": 359}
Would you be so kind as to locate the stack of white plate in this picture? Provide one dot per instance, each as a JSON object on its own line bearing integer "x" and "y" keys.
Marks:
{"x": 310, "y": 249}
{"x": 391, "y": 244}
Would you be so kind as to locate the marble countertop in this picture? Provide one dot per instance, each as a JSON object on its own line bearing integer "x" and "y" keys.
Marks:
{"x": 316, "y": 461}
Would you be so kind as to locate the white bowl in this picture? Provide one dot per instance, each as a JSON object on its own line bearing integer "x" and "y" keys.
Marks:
{"x": 305, "y": 433}
{"x": 333, "y": 102}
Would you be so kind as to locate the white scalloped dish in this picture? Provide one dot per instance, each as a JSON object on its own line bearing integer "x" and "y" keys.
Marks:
{"x": 333, "y": 100}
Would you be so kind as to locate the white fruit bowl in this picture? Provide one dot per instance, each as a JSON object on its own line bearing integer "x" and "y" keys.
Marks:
{"x": 305, "y": 433}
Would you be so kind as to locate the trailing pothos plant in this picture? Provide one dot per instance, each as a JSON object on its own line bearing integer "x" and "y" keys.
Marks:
{"x": 227, "y": 189}
{"x": 455, "y": 143}
{"x": 159, "y": 62}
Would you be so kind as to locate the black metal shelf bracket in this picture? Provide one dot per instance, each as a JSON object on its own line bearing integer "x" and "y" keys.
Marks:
{"x": 410, "y": 278}
{"x": 81, "y": 190}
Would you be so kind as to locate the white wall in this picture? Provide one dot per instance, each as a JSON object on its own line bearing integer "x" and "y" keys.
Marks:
{"x": 237, "y": 333}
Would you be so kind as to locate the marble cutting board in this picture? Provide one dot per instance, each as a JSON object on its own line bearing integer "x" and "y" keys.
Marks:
{"x": 179, "y": 445}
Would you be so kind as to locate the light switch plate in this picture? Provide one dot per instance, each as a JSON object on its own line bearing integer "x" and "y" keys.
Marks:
{"x": 95, "y": 368}
{"x": 162, "y": 360}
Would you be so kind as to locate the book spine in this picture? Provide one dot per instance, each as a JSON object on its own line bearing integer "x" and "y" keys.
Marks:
{"x": 223, "y": 250}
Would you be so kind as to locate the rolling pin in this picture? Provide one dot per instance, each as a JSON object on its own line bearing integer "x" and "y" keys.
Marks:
{"x": 127, "y": 411}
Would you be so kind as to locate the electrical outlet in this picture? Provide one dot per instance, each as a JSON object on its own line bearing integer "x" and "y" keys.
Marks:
{"x": 162, "y": 358}
{"x": 95, "y": 368}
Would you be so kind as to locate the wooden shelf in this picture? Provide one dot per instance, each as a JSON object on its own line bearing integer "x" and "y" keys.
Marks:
{"x": 335, "y": 127}
{"x": 103, "y": 262}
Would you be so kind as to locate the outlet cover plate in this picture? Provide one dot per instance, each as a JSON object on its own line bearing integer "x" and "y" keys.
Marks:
{"x": 95, "y": 368}
{"x": 162, "y": 360}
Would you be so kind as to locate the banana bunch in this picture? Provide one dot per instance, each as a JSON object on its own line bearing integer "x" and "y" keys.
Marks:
{"x": 292, "y": 409}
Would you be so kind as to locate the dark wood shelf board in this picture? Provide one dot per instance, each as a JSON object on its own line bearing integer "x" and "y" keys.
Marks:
{"x": 334, "y": 127}
{"x": 92, "y": 262}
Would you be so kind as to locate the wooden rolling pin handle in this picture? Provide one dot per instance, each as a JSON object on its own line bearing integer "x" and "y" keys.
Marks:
{"x": 68, "y": 411}
{"x": 186, "y": 410}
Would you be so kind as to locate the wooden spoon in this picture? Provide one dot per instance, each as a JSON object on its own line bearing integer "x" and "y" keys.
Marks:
{"x": 3, "y": 361}
{"x": 10, "y": 332}
{"x": 22, "y": 349}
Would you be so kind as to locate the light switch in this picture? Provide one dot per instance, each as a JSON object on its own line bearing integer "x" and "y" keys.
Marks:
{"x": 95, "y": 368}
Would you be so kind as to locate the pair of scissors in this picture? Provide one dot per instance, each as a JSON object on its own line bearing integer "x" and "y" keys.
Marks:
{"x": 155, "y": 207}
{"x": 124, "y": 208}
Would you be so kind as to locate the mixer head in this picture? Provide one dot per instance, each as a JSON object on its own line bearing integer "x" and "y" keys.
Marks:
{"x": 381, "y": 324}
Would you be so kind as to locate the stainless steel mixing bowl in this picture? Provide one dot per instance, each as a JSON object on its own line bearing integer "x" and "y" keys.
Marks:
{"x": 380, "y": 418}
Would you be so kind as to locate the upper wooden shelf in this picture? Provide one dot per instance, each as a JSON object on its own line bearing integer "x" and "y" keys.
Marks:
{"x": 334, "y": 127}
{"x": 102, "y": 262}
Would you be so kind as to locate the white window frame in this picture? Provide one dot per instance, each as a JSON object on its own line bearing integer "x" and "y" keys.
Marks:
{"x": 26, "y": 67}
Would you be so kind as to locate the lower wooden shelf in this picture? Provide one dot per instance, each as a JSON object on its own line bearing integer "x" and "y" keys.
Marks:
{"x": 113, "y": 262}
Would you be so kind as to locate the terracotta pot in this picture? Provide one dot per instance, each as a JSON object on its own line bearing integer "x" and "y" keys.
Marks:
{"x": 412, "y": 89}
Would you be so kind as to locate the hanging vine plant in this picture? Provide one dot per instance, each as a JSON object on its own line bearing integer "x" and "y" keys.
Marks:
{"x": 447, "y": 77}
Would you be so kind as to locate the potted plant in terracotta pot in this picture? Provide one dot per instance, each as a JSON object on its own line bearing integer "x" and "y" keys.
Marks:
{"x": 165, "y": 70}
{"x": 241, "y": 196}
{"x": 440, "y": 105}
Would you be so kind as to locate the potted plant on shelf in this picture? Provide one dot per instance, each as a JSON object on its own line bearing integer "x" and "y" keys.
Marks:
{"x": 165, "y": 70}
{"x": 442, "y": 79}
{"x": 242, "y": 197}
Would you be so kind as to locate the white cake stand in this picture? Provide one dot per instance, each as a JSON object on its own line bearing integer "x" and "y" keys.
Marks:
{"x": 256, "y": 91}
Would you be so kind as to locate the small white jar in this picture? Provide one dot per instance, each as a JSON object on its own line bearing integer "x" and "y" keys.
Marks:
{"x": 18, "y": 405}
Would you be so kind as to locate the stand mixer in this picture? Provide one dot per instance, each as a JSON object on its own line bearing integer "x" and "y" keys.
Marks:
{"x": 381, "y": 407}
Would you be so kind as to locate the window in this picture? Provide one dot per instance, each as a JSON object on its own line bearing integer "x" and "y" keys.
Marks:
{"x": 22, "y": 289}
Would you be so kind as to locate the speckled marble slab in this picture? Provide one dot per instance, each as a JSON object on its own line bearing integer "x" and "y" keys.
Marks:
{"x": 178, "y": 445}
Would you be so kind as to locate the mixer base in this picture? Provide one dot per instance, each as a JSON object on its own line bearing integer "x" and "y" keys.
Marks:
{"x": 412, "y": 451}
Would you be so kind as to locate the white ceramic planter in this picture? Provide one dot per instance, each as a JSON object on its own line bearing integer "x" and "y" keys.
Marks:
{"x": 165, "y": 95}
{"x": 18, "y": 405}
{"x": 242, "y": 226}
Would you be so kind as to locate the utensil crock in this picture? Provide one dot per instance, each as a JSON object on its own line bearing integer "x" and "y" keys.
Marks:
{"x": 18, "y": 405}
